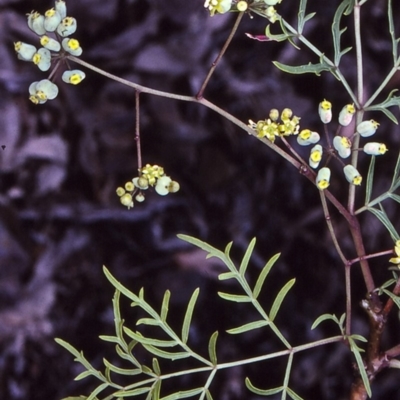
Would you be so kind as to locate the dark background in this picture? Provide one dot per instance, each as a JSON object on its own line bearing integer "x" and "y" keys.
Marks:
{"x": 60, "y": 219}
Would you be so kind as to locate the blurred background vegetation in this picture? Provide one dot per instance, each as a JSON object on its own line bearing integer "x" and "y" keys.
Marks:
{"x": 60, "y": 219}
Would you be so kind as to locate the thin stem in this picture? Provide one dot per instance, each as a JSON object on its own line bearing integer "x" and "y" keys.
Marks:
{"x": 347, "y": 277}
{"x": 360, "y": 96}
{"x": 379, "y": 254}
{"x": 324, "y": 58}
{"x": 221, "y": 53}
{"x": 137, "y": 130}
{"x": 330, "y": 227}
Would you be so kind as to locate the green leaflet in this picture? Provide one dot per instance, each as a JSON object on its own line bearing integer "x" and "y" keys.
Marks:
{"x": 188, "y": 316}
{"x": 390, "y": 101}
{"x": 261, "y": 392}
{"x": 360, "y": 363}
{"x": 184, "y": 394}
{"x": 337, "y": 32}
{"x": 382, "y": 216}
{"x": 248, "y": 327}
{"x": 235, "y": 297}
{"x": 263, "y": 274}
{"x": 246, "y": 258}
{"x": 212, "y": 346}
{"x": 279, "y": 299}
{"x": 303, "y": 69}
{"x": 370, "y": 180}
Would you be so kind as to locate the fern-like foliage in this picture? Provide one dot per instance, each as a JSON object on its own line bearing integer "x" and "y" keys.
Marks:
{"x": 146, "y": 381}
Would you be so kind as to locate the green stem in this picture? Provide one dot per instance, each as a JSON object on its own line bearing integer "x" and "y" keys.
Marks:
{"x": 322, "y": 57}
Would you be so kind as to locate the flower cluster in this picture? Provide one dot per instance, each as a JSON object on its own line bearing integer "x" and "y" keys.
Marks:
{"x": 272, "y": 128}
{"x": 261, "y": 7}
{"x": 54, "y": 29}
{"x": 149, "y": 176}
{"x": 396, "y": 260}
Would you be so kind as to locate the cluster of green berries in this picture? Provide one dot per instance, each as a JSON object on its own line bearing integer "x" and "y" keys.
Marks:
{"x": 262, "y": 7}
{"x": 149, "y": 176}
{"x": 342, "y": 145}
{"x": 54, "y": 29}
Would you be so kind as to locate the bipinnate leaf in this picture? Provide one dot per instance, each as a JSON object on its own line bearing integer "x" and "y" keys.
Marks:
{"x": 188, "y": 316}
{"x": 246, "y": 258}
{"x": 212, "y": 346}
{"x": 248, "y": 327}
{"x": 184, "y": 394}
{"x": 279, "y": 299}
{"x": 263, "y": 274}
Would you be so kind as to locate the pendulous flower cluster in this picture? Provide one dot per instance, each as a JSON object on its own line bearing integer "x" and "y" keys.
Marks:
{"x": 149, "y": 176}
{"x": 272, "y": 128}
{"x": 262, "y": 7}
{"x": 54, "y": 29}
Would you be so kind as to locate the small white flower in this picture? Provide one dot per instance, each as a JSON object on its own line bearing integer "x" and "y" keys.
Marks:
{"x": 61, "y": 8}
{"x": 343, "y": 146}
{"x": 73, "y": 77}
{"x": 25, "y": 51}
{"x": 67, "y": 26}
{"x": 346, "y": 114}
{"x": 42, "y": 91}
{"x": 50, "y": 43}
{"x": 72, "y": 46}
{"x": 162, "y": 185}
{"x": 307, "y": 137}
{"x": 352, "y": 175}
{"x": 315, "y": 156}
{"x": 367, "y": 128}
{"x": 323, "y": 178}
{"x": 325, "y": 111}
{"x": 36, "y": 23}
{"x": 51, "y": 20}
{"x": 375, "y": 149}
{"x": 42, "y": 59}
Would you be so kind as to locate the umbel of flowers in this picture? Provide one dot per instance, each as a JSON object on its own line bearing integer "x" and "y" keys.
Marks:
{"x": 149, "y": 176}
{"x": 261, "y": 7}
{"x": 288, "y": 125}
{"x": 54, "y": 29}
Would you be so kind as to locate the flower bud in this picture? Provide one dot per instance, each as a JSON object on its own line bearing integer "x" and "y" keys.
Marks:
{"x": 140, "y": 197}
{"x": 126, "y": 200}
{"x": 352, "y": 175}
{"x": 36, "y": 23}
{"x": 120, "y": 191}
{"x": 271, "y": 14}
{"x": 129, "y": 186}
{"x": 25, "y": 51}
{"x": 141, "y": 182}
{"x": 343, "y": 146}
{"x": 367, "y": 128}
{"x": 173, "y": 187}
{"x": 325, "y": 111}
{"x": 51, "y": 20}
{"x": 42, "y": 91}
{"x": 307, "y": 137}
{"x": 61, "y": 8}
{"x": 346, "y": 115}
{"x": 242, "y": 5}
{"x": 375, "y": 149}
{"x": 323, "y": 178}
{"x": 315, "y": 156}
{"x": 286, "y": 114}
{"x": 274, "y": 114}
{"x": 50, "y": 43}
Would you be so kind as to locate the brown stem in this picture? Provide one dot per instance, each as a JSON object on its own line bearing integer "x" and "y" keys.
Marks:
{"x": 221, "y": 53}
